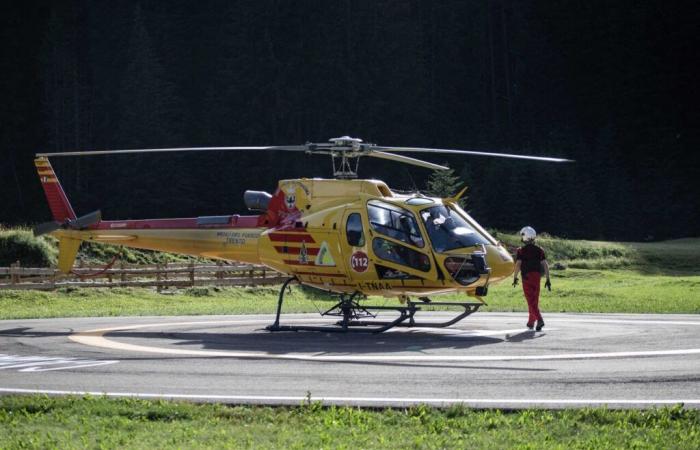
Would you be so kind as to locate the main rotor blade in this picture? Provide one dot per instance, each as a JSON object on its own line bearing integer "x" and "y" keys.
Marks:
{"x": 292, "y": 148}
{"x": 407, "y": 160}
{"x": 46, "y": 228}
{"x": 470, "y": 152}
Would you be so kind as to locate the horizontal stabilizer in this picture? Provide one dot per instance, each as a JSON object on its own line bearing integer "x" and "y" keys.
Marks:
{"x": 77, "y": 224}
{"x": 46, "y": 228}
{"x": 86, "y": 220}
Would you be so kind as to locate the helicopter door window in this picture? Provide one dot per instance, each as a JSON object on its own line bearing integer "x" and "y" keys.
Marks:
{"x": 394, "y": 222}
{"x": 354, "y": 231}
{"x": 400, "y": 254}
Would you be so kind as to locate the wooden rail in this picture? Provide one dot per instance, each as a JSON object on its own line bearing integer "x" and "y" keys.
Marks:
{"x": 161, "y": 276}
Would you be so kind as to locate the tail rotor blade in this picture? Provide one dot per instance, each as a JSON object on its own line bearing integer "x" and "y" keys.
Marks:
{"x": 46, "y": 228}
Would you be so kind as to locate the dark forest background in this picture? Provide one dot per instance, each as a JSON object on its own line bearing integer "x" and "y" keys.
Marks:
{"x": 612, "y": 84}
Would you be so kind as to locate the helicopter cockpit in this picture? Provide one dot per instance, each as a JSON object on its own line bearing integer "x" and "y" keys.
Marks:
{"x": 448, "y": 230}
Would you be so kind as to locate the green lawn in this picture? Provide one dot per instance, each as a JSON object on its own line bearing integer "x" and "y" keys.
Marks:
{"x": 70, "y": 422}
{"x": 574, "y": 290}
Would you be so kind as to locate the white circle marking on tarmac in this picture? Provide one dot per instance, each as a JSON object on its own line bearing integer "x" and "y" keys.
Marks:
{"x": 96, "y": 338}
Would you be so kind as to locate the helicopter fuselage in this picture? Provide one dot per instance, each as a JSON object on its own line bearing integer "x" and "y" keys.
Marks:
{"x": 342, "y": 236}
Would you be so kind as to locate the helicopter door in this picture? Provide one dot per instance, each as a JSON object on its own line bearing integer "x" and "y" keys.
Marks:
{"x": 355, "y": 248}
{"x": 396, "y": 244}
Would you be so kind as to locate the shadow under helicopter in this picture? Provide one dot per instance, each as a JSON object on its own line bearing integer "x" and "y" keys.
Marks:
{"x": 315, "y": 343}
{"x": 324, "y": 344}
{"x": 312, "y": 343}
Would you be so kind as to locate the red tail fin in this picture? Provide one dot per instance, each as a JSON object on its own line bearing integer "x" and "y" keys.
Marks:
{"x": 58, "y": 202}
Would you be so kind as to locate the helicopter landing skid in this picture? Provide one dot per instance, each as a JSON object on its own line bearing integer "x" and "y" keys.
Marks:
{"x": 354, "y": 317}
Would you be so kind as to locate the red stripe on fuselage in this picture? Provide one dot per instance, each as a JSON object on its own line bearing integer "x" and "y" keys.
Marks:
{"x": 296, "y": 250}
{"x": 291, "y": 237}
{"x": 296, "y": 262}
{"x": 334, "y": 275}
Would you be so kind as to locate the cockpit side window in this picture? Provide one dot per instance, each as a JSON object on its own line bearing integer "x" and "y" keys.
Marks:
{"x": 395, "y": 222}
{"x": 448, "y": 230}
{"x": 354, "y": 231}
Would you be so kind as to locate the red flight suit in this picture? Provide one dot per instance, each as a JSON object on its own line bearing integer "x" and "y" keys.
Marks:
{"x": 531, "y": 257}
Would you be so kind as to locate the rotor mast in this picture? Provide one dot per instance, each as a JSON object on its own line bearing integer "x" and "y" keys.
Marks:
{"x": 343, "y": 148}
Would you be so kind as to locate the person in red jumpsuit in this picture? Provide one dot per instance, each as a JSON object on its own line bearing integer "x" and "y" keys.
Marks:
{"x": 530, "y": 262}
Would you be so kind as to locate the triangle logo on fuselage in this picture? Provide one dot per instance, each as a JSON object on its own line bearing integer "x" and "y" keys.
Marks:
{"x": 324, "y": 257}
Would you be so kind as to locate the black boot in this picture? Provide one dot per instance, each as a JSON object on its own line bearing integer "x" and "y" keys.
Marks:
{"x": 540, "y": 325}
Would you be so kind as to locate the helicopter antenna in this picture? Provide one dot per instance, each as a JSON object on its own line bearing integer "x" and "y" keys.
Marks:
{"x": 342, "y": 151}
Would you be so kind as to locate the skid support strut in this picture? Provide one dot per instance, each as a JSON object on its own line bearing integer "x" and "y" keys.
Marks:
{"x": 359, "y": 318}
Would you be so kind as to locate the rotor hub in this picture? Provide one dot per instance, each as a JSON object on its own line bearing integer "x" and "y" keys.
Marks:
{"x": 342, "y": 150}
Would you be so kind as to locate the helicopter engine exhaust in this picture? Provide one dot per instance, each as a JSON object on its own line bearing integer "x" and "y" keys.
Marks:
{"x": 256, "y": 200}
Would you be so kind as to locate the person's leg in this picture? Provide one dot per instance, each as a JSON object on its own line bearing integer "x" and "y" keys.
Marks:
{"x": 534, "y": 282}
{"x": 531, "y": 284}
{"x": 536, "y": 295}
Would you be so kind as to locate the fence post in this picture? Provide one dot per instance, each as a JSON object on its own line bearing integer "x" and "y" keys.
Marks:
{"x": 165, "y": 275}
{"x": 159, "y": 285}
{"x": 14, "y": 272}
{"x": 219, "y": 274}
{"x": 192, "y": 273}
{"x": 123, "y": 274}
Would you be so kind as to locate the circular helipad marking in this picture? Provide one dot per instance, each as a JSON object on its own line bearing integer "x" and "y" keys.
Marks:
{"x": 96, "y": 338}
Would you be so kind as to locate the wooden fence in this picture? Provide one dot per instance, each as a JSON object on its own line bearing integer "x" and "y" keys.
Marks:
{"x": 161, "y": 276}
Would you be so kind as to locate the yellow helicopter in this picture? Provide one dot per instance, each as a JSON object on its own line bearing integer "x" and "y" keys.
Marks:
{"x": 349, "y": 237}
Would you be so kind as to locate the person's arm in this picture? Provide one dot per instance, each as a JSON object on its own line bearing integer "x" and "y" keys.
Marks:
{"x": 545, "y": 265}
{"x": 516, "y": 271}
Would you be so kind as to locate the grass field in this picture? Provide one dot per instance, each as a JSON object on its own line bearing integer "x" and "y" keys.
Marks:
{"x": 42, "y": 422}
{"x": 574, "y": 290}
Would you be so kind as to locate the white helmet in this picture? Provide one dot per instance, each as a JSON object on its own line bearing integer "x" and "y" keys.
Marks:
{"x": 527, "y": 234}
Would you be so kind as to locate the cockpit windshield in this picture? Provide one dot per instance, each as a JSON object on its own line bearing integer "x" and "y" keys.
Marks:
{"x": 448, "y": 230}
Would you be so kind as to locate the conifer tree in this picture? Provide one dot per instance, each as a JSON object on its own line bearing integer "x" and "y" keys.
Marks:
{"x": 445, "y": 183}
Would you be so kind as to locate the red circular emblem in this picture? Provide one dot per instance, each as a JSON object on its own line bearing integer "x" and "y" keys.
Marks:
{"x": 359, "y": 261}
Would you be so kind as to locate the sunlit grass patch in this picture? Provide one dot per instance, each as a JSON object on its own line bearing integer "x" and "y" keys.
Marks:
{"x": 574, "y": 290}
{"x": 67, "y": 422}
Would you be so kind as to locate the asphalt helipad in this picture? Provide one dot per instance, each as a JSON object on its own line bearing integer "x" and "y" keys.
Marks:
{"x": 487, "y": 360}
